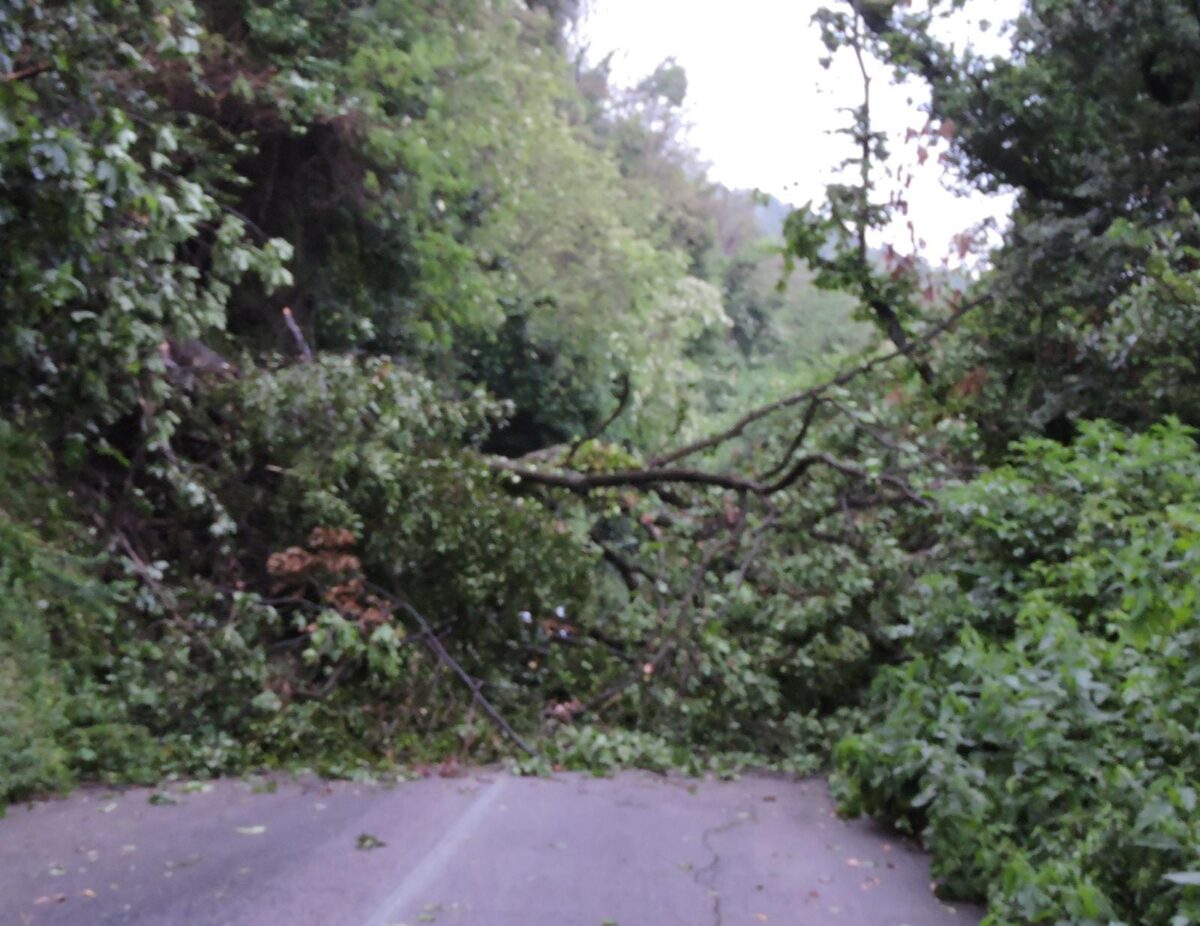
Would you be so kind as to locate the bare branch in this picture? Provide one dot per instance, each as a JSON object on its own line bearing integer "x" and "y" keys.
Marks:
{"x": 797, "y": 441}
{"x": 318, "y": 694}
{"x": 801, "y": 466}
{"x": 648, "y": 478}
{"x": 297, "y": 334}
{"x": 586, "y": 482}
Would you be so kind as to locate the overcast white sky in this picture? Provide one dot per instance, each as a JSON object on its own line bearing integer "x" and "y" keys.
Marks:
{"x": 761, "y": 107}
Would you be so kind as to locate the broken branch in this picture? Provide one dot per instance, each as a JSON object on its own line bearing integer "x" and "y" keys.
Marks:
{"x": 297, "y": 334}
{"x": 586, "y": 482}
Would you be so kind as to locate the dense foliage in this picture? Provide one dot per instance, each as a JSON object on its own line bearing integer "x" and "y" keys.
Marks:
{"x": 382, "y": 385}
{"x": 1042, "y": 737}
{"x": 1091, "y": 122}
{"x": 235, "y": 534}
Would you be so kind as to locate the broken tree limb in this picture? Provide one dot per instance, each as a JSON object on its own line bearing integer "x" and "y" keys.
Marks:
{"x": 297, "y": 335}
{"x": 683, "y": 607}
{"x": 586, "y": 482}
{"x": 648, "y": 478}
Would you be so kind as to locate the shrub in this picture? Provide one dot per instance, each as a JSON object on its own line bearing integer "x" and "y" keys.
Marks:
{"x": 1042, "y": 740}
{"x": 50, "y": 594}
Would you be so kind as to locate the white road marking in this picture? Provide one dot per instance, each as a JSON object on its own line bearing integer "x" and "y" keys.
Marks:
{"x": 435, "y": 860}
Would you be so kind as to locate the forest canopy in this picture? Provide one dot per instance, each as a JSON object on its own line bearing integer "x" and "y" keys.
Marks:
{"x": 384, "y": 384}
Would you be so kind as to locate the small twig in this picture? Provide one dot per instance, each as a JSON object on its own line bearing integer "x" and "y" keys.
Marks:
{"x": 760, "y": 536}
{"x": 809, "y": 416}
{"x": 850, "y": 413}
{"x": 280, "y": 646}
{"x": 622, "y": 401}
{"x": 250, "y": 223}
{"x": 27, "y": 72}
{"x": 330, "y": 683}
{"x": 835, "y": 540}
{"x": 846, "y": 469}
{"x": 625, "y": 569}
{"x": 146, "y": 575}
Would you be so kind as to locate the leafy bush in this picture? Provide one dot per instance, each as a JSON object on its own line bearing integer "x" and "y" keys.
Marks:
{"x": 114, "y": 663}
{"x": 57, "y": 721}
{"x": 383, "y": 452}
{"x": 115, "y": 236}
{"x": 32, "y": 700}
{"x": 267, "y": 642}
{"x": 1042, "y": 740}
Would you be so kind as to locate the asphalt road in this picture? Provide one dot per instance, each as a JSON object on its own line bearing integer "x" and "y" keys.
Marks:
{"x": 483, "y": 849}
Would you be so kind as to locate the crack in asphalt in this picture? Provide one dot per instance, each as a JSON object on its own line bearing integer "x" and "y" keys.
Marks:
{"x": 706, "y": 877}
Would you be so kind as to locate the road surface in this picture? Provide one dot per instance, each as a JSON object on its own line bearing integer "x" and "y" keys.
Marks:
{"x": 483, "y": 849}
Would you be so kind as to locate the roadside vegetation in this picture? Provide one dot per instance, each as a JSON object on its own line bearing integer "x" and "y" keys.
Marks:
{"x": 384, "y": 386}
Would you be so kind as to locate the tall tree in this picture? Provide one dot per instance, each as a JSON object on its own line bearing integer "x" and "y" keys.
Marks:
{"x": 1092, "y": 120}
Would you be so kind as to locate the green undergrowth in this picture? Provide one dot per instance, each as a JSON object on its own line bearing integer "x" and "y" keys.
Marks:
{"x": 271, "y": 645}
{"x": 354, "y": 359}
{"x": 55, "y": 723}
{"x": 1042, "y": 742}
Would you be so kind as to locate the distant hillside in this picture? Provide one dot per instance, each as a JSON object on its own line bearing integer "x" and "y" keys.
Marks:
{"x": 771, "y": 214}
